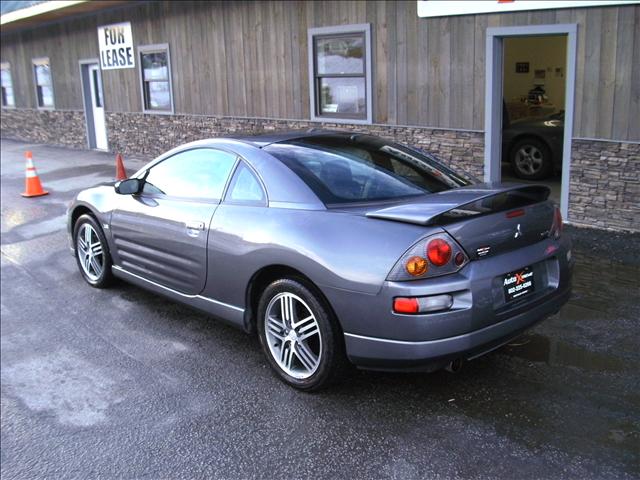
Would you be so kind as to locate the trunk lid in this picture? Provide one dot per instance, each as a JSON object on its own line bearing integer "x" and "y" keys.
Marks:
{"x": 484, "y": 219}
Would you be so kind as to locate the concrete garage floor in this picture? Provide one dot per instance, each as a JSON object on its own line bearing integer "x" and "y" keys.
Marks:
{"x": 124, "y": 384}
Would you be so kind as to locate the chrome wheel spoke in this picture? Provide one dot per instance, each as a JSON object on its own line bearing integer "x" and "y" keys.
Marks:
{"x": 287, "y": 310}
{"x": 306, "y": 356}
{"x": 97, "y": 268}
{"x": 307, "y": 329}
{"x": 287, "y": 354}
{"x": 87, "y": 264}
{"x": 87, "y": 234}
{"x": 275, "y": 328}
{"x": 96, "y": 248}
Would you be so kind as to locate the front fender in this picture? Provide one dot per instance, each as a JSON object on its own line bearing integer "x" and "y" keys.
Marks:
{"x": 99, "y": 201}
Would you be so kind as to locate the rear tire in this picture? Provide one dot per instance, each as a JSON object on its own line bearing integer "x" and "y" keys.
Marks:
{"x": 92, "y": 252}
{"x": 299, "y": 335}
{"x": 531, "y": 159}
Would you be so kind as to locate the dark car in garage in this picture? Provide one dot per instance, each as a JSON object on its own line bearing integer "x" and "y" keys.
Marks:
{"x": 533, "y": 146}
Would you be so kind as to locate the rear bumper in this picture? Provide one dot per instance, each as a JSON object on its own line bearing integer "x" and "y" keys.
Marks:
{"x": 480, "y": 319}
{"x": 387, "y": 354}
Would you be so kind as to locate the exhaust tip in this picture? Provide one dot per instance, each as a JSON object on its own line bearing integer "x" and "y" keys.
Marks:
{"x": 455, "y": 366}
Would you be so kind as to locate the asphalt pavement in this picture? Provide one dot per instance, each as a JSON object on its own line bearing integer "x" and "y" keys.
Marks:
{"x": 121, "y": 383}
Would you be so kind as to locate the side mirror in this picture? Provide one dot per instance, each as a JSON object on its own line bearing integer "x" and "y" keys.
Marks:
{"x": 130, "y": 186}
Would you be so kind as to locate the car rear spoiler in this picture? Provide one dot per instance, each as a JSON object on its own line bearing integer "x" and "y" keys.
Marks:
{"x": 459, "y": 203}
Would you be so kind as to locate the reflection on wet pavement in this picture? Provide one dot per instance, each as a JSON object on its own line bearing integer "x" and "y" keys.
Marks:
{"x": 539, "y": 348}
{"x": 601, "y": 314}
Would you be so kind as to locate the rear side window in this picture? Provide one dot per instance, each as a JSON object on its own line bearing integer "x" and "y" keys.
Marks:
{"x": 245, "y": 188}
{"x": 350, "y": 169}
{"x": 197, "y": 173}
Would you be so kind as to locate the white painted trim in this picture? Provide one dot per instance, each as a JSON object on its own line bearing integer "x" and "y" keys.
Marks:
{"x": 159, "y": 47}
{"x": 493, "y": 100}
{"x": 341, "y": 29}
{"x": 82, "y": 63}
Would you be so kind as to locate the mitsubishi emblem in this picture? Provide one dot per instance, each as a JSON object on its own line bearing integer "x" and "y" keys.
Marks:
{"x": 518, "y": 232}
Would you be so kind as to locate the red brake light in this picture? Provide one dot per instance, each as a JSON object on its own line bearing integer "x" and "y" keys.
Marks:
{"x": 439, "y": 252}
{"x": 515, "y": 213}
{"x": 405, "y": 305}
{"x": 556, "y": 228}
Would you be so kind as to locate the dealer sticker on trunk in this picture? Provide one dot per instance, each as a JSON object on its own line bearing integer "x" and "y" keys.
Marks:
{"x": 518, "y": 284}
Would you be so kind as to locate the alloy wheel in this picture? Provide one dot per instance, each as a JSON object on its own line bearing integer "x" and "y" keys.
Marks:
{"x": 293, "y": 335}
{"x": 90, "y": 252}
{"x": 529, "y": 159}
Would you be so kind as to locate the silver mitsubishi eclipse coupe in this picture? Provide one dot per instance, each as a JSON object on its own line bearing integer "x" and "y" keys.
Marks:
{"x": 334, "y": 247}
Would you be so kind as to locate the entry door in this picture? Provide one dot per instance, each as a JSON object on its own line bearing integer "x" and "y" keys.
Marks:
{"x": 97, "y": 107}
{"x": 162, "y": 233}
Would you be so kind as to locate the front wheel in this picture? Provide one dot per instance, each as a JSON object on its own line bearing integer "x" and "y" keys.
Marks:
{"x": 92, "y": 252}
{"x": 298, "y": 335}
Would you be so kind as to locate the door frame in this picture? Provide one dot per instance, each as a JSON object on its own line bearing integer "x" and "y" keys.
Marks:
{"x": 493, "y": 98}
{"x": 87, "y": 106}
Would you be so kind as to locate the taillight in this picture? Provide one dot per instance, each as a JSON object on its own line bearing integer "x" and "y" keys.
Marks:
{"x": 439, "y": 252}
{"x": 432, "y": 256}
{"x": 556, "y": 227}
{"x": 416, "y": 266}
{"x": 406, "y": 305}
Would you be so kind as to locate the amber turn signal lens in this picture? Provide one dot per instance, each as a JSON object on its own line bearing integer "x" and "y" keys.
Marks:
{"x": 416, "y": 266}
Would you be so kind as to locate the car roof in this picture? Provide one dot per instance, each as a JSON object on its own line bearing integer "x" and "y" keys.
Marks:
{"x": 264, "y": 139}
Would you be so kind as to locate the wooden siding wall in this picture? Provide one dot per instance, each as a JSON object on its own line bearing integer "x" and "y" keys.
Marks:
{"x": 250, "y": 59}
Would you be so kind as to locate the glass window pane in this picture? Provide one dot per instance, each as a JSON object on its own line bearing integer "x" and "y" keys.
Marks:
{"x": 97, "y": 88}
{"x": 341, "y": 170}
{"x": 45, "y": 96}
{"x": 245, "y": 187}
{"x": 340, "y": 55}
{"x": 199, "y": 173}
{"x": 43, "y": 75}
{"x": 343, "y": 95}
{"x": 7, "y": 97}
{"x": 155, "y": 66}
{"x": 158, "y": 95}
{"x": 6, "y": 78}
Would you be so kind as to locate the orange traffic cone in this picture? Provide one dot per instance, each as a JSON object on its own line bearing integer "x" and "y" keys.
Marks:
{"x": 121, "y": 173}
{"x": 32, "y": 185}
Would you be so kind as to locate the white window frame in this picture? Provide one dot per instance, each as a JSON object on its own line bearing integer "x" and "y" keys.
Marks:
{"x": 40, "y": 61}
{"x": 157, "y": 48}
{"x": 361, "y": 28}
{"x": 7, "y": 66}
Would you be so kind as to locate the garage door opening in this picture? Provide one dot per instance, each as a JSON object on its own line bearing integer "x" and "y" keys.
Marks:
{"x": 529, "y": 98}
{"x": 533, "y": 92}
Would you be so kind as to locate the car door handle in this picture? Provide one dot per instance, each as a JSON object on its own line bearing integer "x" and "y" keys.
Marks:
{"x": 194, "y": 225}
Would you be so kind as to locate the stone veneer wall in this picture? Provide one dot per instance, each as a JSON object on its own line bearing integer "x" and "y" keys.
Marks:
{"x": 604, "y": 190}
{"x": 605, "y": 176}
{"x": 55, "y": 127}
{"x": 151, "y": 135}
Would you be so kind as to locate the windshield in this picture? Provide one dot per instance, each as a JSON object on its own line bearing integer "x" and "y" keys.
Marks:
{"x": 350, "y": 169}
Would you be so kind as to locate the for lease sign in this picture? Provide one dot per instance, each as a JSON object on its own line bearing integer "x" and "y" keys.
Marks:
{"x": 116, "y": 46}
